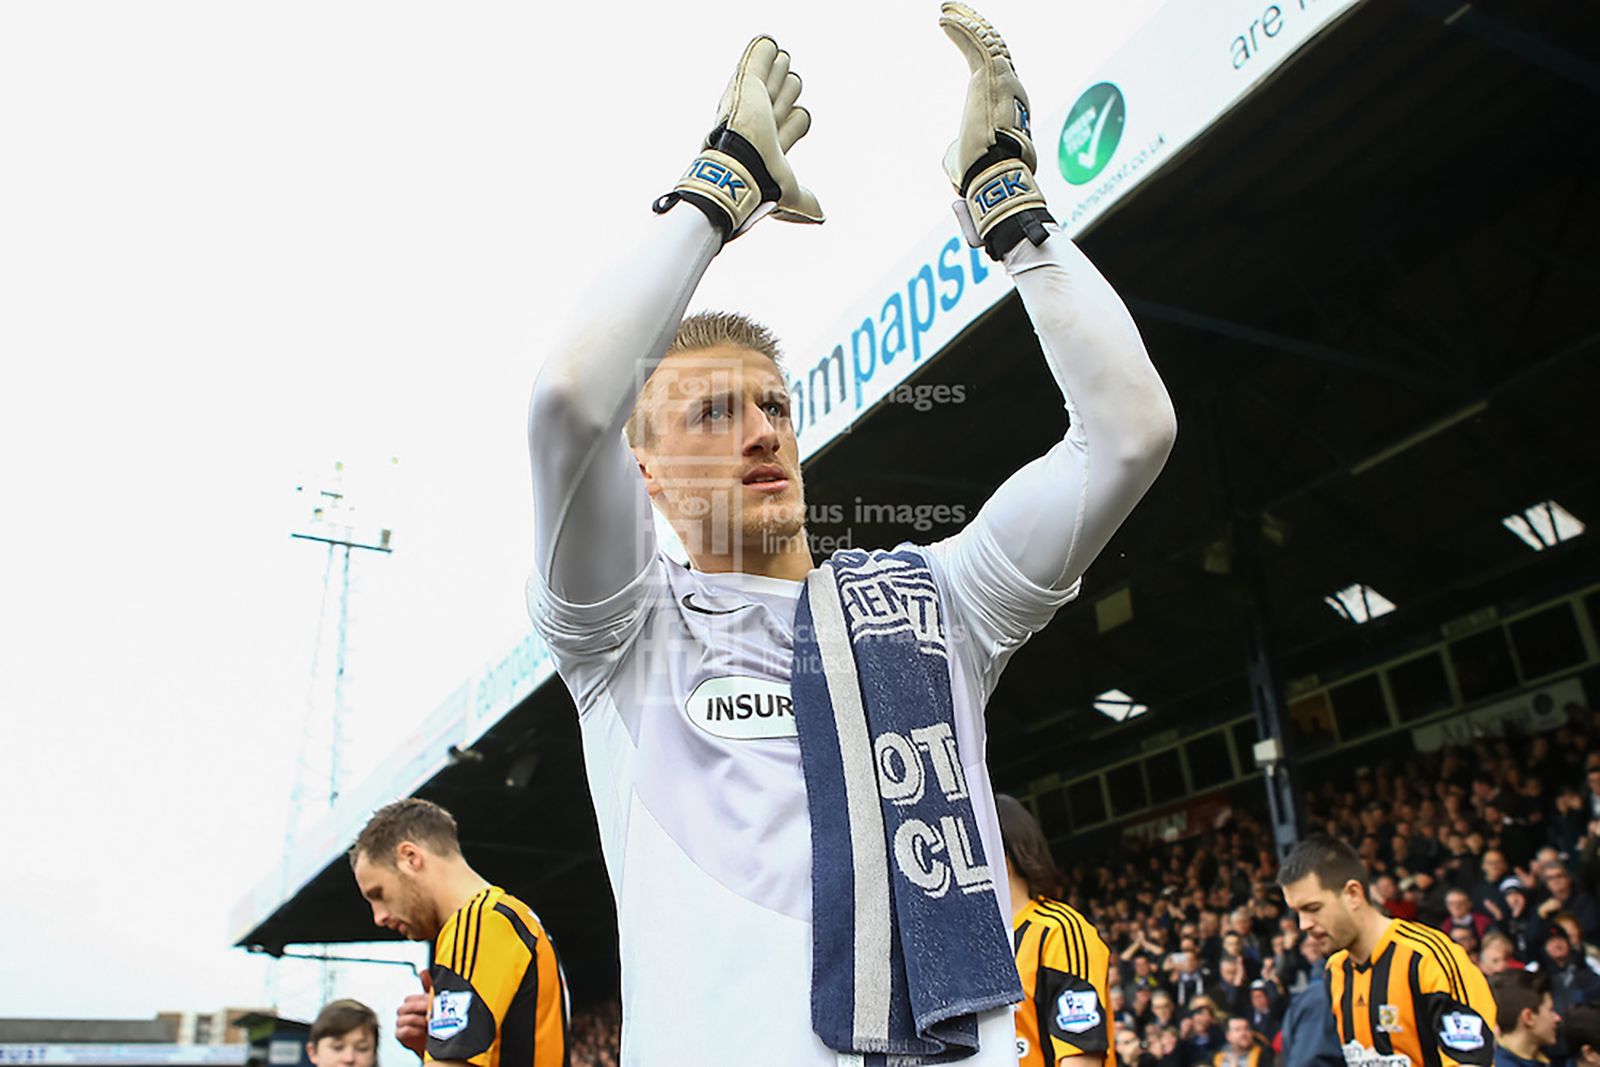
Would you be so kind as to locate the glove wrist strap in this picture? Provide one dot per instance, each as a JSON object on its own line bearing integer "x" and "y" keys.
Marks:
{"x": 722, "y": 187}
{"x": 1001, "y": 206}
{"x": 1000, "y": 191}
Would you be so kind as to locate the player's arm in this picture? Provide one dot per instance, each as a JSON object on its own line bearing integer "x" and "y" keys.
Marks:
{"x": 584, "y": 476}
{"x": 1455, "y": 1009}
{"x": 1072, "y": 1000}
{"x": 1040, "y": 530}
{"x": 490, "y": 989}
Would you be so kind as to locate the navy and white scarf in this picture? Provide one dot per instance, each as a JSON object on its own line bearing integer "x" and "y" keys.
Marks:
{"x": 907, "y": 943}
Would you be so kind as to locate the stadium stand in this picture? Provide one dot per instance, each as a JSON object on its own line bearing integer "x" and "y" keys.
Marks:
{"x": 1501, "y": 836}
{"x": 1381, "y": 352}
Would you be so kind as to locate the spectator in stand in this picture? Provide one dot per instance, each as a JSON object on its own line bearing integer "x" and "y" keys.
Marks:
{"x": 1144, "y": 977}
{"x": 1497, "y": 954}
{"x": 1591, "y": 796}
{"x": 1166, "y": 1047}
{"x": 1201, "y": 1038}
{"x": 1242, "y": 925}
{"x": 1235, "y": 946}
{"x": 1526, "y": 1018}
{"x": 1130, "y": 1050}
{"x": 1580, "y": 948}
{"x": 1525, "y": 928}
{"x": 1232, "y": 991}
{"x": 1266, "y": 1009}
{"x": 1565, "y": 896}
{"x": 1163, "y": 1011}
{"x": 1468, "y": 941}
{"x": 1485, "y": 892}
{"x": 1568, "y": 823}
{"x": 1571, "y": 982}
{"x": 1189, "y": 983}
{"x": 1139, "y": 1011}
{"x": 1242, "y": 1048}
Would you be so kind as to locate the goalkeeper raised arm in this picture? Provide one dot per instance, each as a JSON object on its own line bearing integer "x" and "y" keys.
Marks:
{"x": 703, "y": 815}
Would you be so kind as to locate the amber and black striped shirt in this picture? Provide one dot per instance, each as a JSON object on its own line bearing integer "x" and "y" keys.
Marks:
{"x": 1065, "y": 969}
{"x": 1419, "y": 1001}
{"x": 499, "y": 999}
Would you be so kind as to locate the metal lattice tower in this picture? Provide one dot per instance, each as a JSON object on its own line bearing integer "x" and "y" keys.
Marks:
{"x": 330, "y": 519}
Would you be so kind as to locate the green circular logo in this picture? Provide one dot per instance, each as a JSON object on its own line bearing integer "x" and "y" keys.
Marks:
{"x": 1091, "y": 133}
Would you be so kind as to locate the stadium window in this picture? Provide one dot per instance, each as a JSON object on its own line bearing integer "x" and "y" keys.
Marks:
{"x": 1311, "y": 725}
{"x": 1544, "y": 525}
{"x": 1547, "y": 641}
{"x": 1210, "y": 764}
{"x": 1482, "y": 663}
{"x": 1126, "y": 786}
{"x": 1359, "y": 707}
{"x": 1087, "y": 802}
{"x": 1118, "y": 706}
{"x": 1359, "y": 603}
{"x": 1244, "y": 745}
{"x": 1054, "y": 815}
{"x": 1164, "y": 772}
{"x": 1419, "y": 687}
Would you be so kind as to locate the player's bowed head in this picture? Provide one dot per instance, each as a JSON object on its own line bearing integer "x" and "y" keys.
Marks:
{"x": 408, "y": 865}
{"x": 1324, "y": 881}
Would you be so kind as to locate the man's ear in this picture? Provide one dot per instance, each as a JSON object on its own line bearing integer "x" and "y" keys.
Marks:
{"x": 408, "y": 857}
{"x": 651, "y": 485}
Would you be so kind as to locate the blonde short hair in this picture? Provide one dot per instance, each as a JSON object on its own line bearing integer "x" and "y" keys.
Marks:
{"x": 709, "y": 329}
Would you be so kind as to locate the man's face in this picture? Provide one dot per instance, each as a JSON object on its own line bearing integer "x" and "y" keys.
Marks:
{"x": 1258, "y": 1000}
{"x": 1239, "y": 1035}
{"x": 1492, "y": 960}
{"x": 1127, "y": 1047}
{"x": 1457, "y": 903}
{"x": 397, "y": 901}
{"x": 719, "y": 452}
{"x": 1558, "y": 950}
{"x": 1324, "y": 913}
{"x": 1546, "y": 1022}
{"x": 356, "y": 1048}
{"x": 1494, "y": 866}
{"x": 1161, "y": 1007}
{"x": 1559, "y": 881}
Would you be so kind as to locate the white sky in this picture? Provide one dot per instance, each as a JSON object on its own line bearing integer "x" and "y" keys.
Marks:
{"x": 239, "y": 241}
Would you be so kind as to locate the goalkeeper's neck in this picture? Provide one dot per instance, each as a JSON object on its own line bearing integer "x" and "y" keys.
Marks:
{"x": 766, "y": 553}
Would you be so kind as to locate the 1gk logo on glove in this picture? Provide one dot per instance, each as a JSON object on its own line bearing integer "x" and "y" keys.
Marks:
{"x": 719, "y": 177}
{"x": 1006, "y": 187}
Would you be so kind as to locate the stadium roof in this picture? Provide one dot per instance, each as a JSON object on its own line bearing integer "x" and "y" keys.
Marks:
{"x": 1371, "y": 288}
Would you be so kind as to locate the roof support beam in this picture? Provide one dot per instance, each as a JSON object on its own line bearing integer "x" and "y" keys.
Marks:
{"x": 1292, "y": 346}
{"x": 1467, "y": 18}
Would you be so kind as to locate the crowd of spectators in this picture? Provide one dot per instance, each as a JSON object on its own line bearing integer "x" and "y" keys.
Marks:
{"x": 594, "y": 1034}
{"x": 1496, "y": 843}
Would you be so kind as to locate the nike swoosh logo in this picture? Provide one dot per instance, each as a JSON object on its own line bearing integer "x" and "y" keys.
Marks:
{"x": 1086, "y": 157}
{"x": 711, "y": 611}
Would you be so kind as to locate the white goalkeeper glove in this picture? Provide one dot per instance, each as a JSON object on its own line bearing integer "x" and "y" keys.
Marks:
{"x": 742, "y": 172}
{"x": 991, "y": 163}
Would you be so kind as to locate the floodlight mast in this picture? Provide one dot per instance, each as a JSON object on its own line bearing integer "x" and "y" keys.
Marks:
{"x": 333, "y": 522}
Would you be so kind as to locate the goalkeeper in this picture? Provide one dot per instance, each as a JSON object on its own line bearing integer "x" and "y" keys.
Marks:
{"x": 702, "y": 812}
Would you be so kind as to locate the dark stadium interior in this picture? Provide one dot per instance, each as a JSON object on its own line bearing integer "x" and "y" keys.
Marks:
{"x": 1374, "y": 292}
